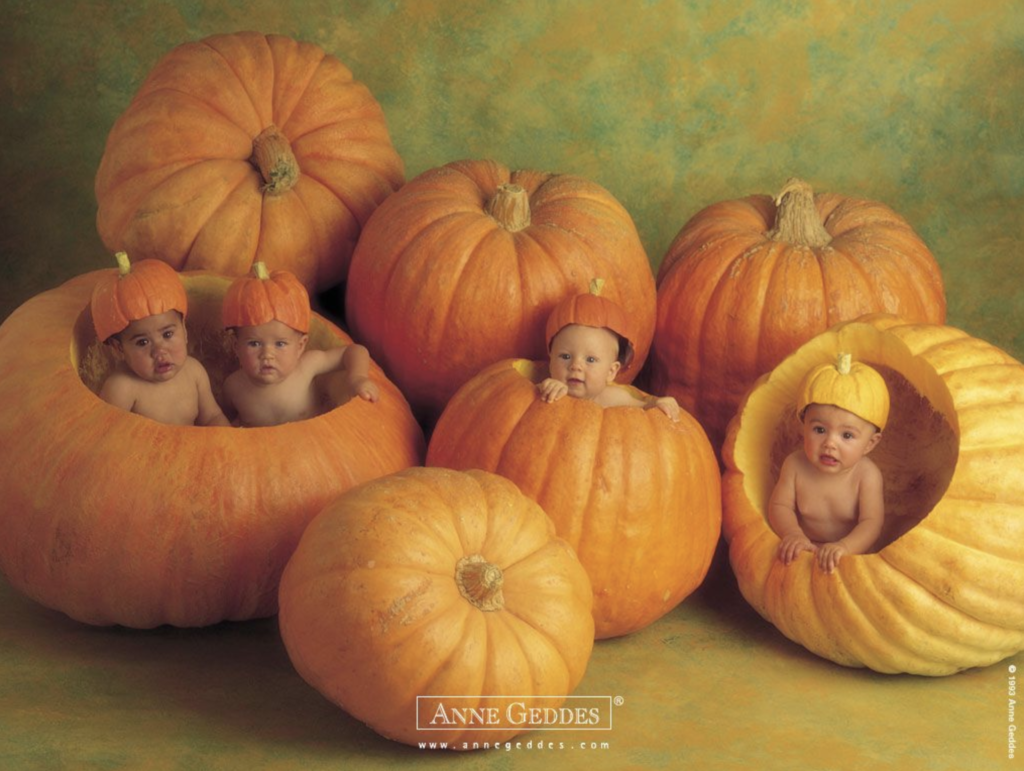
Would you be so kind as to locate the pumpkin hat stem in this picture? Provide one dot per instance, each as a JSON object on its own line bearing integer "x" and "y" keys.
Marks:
{"x": 510, "y": 206}
{"x": 273, "y": 158}
{"x": 480, "y": 581}
{"x": 796, "y": 218}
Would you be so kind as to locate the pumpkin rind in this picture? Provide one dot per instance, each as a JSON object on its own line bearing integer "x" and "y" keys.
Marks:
{"x": 375, "y": 609}
{"x": 113, "y": 518}
{"x": 179, "y": 178}
{"x": 948, "y": 594}
{"x": 635, "y": 494}
{"x": 444, "y": 283}
{"x": 733, "y": 301}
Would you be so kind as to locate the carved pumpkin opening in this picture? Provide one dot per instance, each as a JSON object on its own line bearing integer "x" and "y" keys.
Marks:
{"x": 208, "y": 342}
{"x": 919, "y": 447}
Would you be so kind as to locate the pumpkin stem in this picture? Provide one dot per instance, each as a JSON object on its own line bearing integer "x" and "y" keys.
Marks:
{"x": 259, "y": 270}
{"x": 480, "y": 582}
{"x": 272, "y": 156}
{"x": 596, "y": 285}
{"x": 843, "y": 362}
{"x": 796, "y": 217}
{"x": 510, "y": 206}
{"x": 123, "y": 266}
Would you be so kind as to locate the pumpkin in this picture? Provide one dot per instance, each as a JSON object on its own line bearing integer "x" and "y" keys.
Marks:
{"x": 635, "y": 494}
{"x": 850, "y": 385}
{"x": 264, "y": 296}
{"x": 436, "y": 590}
{"x": 133, "y": 292}
{"x": 246, "y": 147}
{"x": 945, "y": 589}
{"x": 462, "y": 266}
{"x": 746, "y": 282}
{"x": 592, "y": 310}
{"x": 114, "y": 518}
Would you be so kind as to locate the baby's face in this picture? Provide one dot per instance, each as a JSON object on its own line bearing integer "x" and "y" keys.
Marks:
{"x": 585, "y": 359}
{"x": 269, "y": 353}
{"x": 154, "y": 348}
{"x": 835, "y": 439}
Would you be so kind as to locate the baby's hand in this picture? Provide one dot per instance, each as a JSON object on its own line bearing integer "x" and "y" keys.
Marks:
{"x": 669, "y": 406}
{"x": 792, "y": 545}
{"x": 552, "y": 390}
{"x": 829, "y": 555}
{"x": 366, "y": 389}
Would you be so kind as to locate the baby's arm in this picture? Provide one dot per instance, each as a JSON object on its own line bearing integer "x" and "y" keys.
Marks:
{"x": 119, "y": 391}
{"x": 782, "y": 514}
{"x": 210, "y": 413}
{"x": 354, "y": 359}
{"x": 870, "y": 518}
{"x": 619, "y": 396}
{"x": 552, "y": 390}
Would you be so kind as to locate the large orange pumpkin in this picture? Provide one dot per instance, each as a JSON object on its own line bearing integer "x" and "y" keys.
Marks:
{"x": 945, "y": 591}
{"x": 114, "y": 518}
{"x": 246, "y": 147}
{"x": 746, "y": 282}
{"x": 636, "y": 494}
{"x": 437, "y": 590}
{"x": 462, "y": 266}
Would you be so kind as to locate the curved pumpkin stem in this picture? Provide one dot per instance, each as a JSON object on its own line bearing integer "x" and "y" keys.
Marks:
{"x": 796, "y": 217}
{"x": 480, "y": 581}
{"x": 259, "y": 270}
{"x": 273, "y": 157}
{"x": 510, "y": 206}
{"x": 124, "y": 267}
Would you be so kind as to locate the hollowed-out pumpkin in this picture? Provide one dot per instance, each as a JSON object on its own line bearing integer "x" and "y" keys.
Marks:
{"x": 463, "y": 265}
{"x": 636, "y": 494}
{"x": 114, "y": 518}
{"x": 746, "y": 282}
{"x": 432, "y": 590}
{"x": 246, "y": 147}
{"x": 945, "y": 589}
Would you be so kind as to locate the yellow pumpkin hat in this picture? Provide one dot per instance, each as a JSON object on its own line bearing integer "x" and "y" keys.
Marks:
{"x": 134, "y": 292}
{"x": 592, "y": 310}
{"x": 263, "y": 296}
{"x": 852, "y": 386}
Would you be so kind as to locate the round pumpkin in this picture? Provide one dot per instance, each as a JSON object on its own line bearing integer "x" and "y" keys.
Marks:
{"x": 434, "y": 590}
{"x": 462, "y": 267}
{"x": 114, "y": 518}
{"x": 246, "y": 147}
{"x": 746, "y": 282}
{"x": 264, "y": 296}
{"x": 635, "y": 494}
{"x": 133, "y": 292}
{"x": 945, "y": 589}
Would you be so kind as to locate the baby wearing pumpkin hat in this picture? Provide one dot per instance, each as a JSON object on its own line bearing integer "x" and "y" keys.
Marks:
{"x": 589, "y": 341}
{"x": 139, "y": 311}
{"x": 828, "y": 499}
{"x": 268, "y": 315}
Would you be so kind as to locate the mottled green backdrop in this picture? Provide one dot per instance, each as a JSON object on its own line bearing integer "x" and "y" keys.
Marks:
{"x": 670, "y": 104}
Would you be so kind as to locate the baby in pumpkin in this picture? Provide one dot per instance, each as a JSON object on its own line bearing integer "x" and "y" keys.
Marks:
{"x": 268, "y": 316}
{"x": 139, "y": 311}
{"x": 589, "y": 341}
{"x": 828, "y": 499}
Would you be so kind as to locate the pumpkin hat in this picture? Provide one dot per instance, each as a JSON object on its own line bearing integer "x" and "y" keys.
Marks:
{"x": 852, "y": 386}
{"x": 134, "y": 292}
{"x": 592, "y": 310}
{"x": 264, "y": 296}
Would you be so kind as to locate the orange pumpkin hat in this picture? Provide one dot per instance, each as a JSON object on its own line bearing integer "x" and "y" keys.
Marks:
{"x": 133, "y": 292}
{"x": 266, "y": 296}
{"x": 592, "y": 310}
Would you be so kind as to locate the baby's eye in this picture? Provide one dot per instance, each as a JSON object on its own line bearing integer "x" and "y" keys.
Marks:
{"x": 253, "y": 343}
{"x": 282, "y": 343}
{"x": 591, "y": 360}
{"x": 141, "y": 342}
{"x": 818, "y": 429}
{"x": 848, "y": 436}
{"x": 563, "y": 356}
{"x": 168, "y": 334}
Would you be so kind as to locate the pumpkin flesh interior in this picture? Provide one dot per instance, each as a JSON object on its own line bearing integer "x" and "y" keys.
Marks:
{"x": 919, "y": 448}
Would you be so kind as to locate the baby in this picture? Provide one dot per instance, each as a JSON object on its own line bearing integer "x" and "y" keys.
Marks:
{"x": 828, "y": 499}
{"x": 268, "y": 315}
{"x": 589, "y": 341}
{"x": 140, "y": 312}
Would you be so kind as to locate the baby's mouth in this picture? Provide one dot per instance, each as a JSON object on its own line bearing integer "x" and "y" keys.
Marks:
{"x": 828, "y": 460}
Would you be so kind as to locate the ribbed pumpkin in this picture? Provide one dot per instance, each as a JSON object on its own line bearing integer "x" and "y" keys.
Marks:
{"x": 246, "y": 147}
{"x": 636, "y": 494}
{"x": 133, "y": 292}
{"x": 946, "y": 590}
{"x": 746, "y": 282}
{"x": 419, "y": 588}
{"x": 462, "y": 266}
{"x": 114, "y": 518}
{"x": 265, "y": 296}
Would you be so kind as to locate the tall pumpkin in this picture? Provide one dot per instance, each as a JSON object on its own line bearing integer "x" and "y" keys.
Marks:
{"x": 246, "y": 147}
{"x": 462, "y": 266}
{"x": 434, "y": 589}
{"x": 635, "y": 494}
{"x": 746, "y": 282}
{"x": 946, "y": 589}
{"x": 114, "y": 518}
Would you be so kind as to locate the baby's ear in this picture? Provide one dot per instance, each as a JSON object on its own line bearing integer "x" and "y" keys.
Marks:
{"x": 302, "y": 342}
{"x": 873, "y": 441}
{"x": 613, "y": 370}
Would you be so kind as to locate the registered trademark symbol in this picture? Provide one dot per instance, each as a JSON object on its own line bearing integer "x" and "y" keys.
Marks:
{"x": 618, "y": 701}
